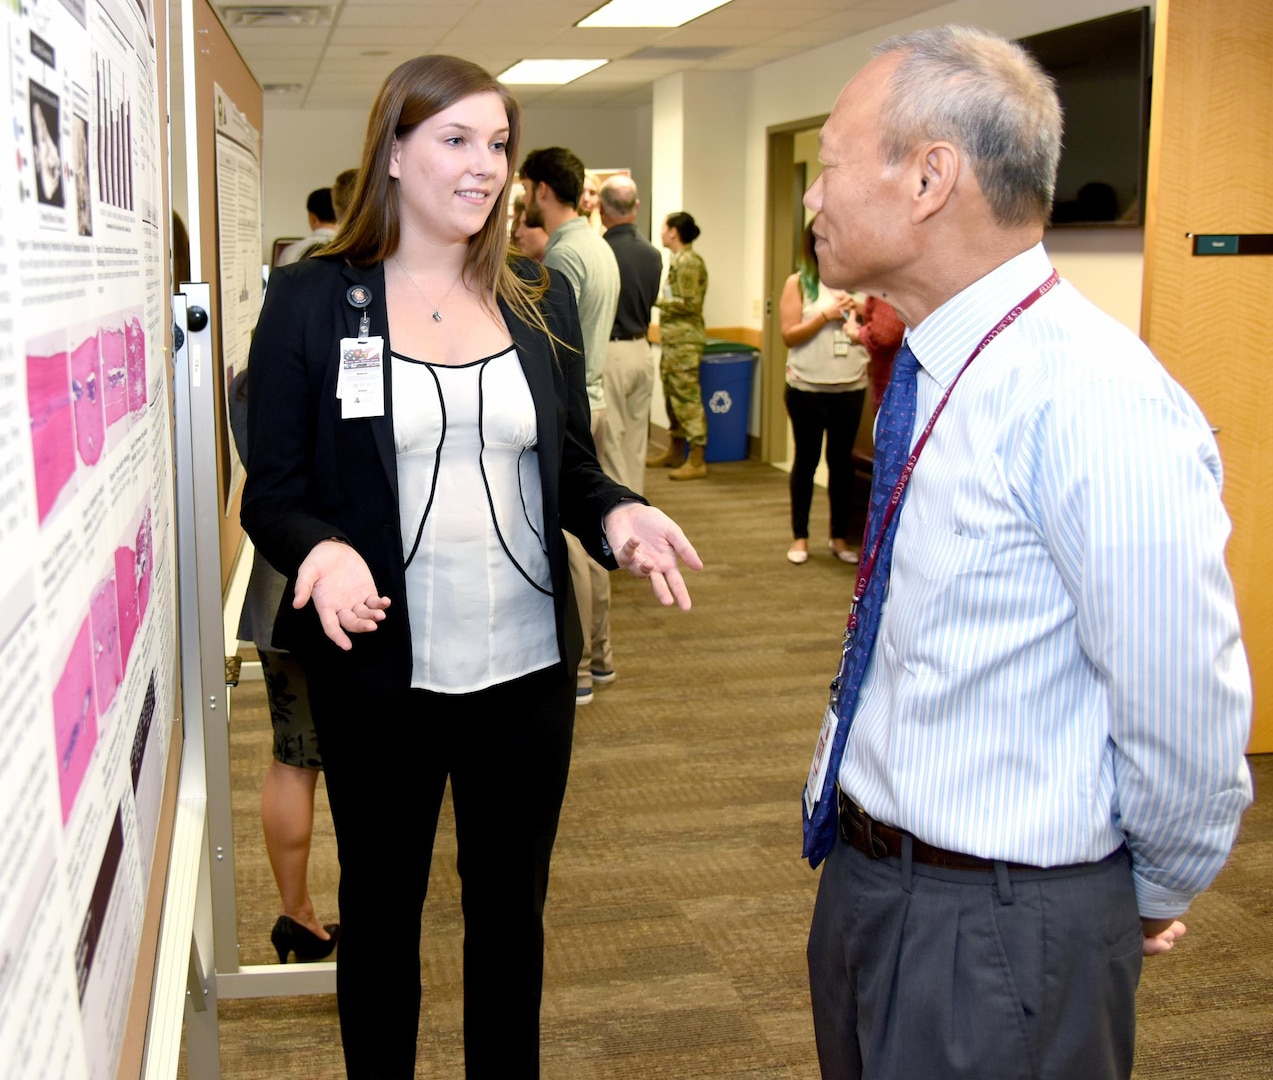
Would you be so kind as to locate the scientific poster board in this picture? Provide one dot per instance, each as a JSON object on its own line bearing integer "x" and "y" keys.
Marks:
{"x": 218, "y": 68}
{"x": 87, "y": 563}
{"x": 238, "y": 144}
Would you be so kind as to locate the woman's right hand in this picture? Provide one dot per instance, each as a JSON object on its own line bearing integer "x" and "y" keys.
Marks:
{"x": 337, "y": 579}
{"x": 845, "y": 305}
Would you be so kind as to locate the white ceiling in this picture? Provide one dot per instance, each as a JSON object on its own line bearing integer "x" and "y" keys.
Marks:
{"x": 341, "y": 65}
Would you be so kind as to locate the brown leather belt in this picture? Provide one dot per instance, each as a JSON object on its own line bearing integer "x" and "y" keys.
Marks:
{"x": 877, "y": 840}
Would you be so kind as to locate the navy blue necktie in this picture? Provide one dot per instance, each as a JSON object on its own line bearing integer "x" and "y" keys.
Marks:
{"x": 892, "y": 448}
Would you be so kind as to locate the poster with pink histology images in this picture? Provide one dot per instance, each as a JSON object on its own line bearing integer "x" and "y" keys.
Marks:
{"x": 88, "y": 614}
{"x": 85, "y": 386}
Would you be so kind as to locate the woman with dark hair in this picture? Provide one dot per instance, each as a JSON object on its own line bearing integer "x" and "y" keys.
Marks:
{"x": 415, "y": 493}
{"x": 826, "y": 386}
{"x": 682, "y": 338}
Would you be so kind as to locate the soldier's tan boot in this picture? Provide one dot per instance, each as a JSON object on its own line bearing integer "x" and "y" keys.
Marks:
{"x": 693, "y": 469}
{"x": 672, "y": 456}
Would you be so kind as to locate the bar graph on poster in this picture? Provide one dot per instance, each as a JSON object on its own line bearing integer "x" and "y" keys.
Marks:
{"x": 87, "y": 606}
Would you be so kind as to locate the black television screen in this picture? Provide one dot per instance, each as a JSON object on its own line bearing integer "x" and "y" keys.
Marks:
{"x": 1101, "y": 68}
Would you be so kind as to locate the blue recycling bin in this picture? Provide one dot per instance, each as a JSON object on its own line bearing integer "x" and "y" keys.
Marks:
{"x": 725, "y": 377}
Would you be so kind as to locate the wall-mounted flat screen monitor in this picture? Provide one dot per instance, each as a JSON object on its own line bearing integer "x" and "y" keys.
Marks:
{"x": 1102, "y": 72}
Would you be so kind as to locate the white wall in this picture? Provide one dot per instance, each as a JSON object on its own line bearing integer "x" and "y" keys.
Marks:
{"x": 1105, "y": 265}
{"x": 668, "y": 148}
{"x": 304, "y": 150}
{"x": 602, "y": 138}
{"x": 713, "y": 186}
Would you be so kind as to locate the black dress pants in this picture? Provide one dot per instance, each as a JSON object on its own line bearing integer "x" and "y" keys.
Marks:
{"x": 387, "y": 758}
{"x": 836, "y": 414}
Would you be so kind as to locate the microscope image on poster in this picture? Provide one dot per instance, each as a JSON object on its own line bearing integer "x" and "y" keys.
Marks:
{"x": 94, "y": 669}
{"x": 75, "y": 718}
{"x": 108, "y": 661}
{"x": 86, "y": 400}
{"x": 134, "y": 568}
{"x": 52, "y": 423}
{"x": 78, "y": 393}
{"x": 79, "y": 176}
{"x": 46, "y": 145}
{"x": 124, "y": 366}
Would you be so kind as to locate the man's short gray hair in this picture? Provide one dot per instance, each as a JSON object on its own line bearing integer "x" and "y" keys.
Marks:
{"x": 990, "y": 98}
{"x": 619, "y": 195}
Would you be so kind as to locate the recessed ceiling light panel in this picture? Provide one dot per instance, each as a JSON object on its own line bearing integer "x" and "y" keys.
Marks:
{"x": 548, "y": 72}
{"x": 649, "y": 12}
{"x": 262, "y": 16}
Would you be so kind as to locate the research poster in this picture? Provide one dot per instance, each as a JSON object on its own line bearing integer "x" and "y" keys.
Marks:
{"x": 238, "y": 146}
{"x": 87, "y": 606}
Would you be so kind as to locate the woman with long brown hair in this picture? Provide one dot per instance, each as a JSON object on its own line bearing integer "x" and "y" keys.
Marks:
{"x": 420, "y": 439}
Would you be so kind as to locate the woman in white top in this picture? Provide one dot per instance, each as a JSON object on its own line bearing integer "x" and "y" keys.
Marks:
{"x": 826, "y": 387}
{"x": 420, "y": 437}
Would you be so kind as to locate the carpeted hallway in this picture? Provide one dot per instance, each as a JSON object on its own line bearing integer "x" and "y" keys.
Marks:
{"x": 679, "y": 905}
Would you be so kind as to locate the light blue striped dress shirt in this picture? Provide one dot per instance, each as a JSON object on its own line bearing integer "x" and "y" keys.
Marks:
{"x": 1059, "y": 667}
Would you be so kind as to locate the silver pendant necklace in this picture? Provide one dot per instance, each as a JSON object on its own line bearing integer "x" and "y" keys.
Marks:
{"x": 437, "y": 314}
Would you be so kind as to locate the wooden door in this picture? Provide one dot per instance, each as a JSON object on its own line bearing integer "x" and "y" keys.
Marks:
{"x": 1210, "y": 319}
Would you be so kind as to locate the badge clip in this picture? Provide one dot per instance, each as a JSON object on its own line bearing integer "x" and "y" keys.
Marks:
{"x": 359, "y": 297}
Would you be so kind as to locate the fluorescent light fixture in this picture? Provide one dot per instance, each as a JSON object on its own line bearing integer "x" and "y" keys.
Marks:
{"x": 548, "y": 72}
{"x": 650, "y": 12}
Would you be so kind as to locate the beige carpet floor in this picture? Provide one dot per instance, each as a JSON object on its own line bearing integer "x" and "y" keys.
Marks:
{"x": 679, "y": 905}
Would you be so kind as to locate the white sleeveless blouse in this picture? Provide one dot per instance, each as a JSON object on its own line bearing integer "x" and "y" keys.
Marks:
{"x": 479, "y": 591}
{"x": 828, "y": 362}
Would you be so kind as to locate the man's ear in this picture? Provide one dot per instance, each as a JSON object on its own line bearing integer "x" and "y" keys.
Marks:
{"x": 937, "y": 173}
{"x": 394, "y": 169}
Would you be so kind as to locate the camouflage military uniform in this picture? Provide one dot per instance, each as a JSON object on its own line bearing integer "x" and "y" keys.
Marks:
{"x": 683, "y": 337}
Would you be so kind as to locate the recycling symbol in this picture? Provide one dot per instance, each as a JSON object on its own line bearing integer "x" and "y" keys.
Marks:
{"x": 721, "y": 402}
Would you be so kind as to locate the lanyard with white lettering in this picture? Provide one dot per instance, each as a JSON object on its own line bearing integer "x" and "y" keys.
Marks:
{"x": 899, "y": 489}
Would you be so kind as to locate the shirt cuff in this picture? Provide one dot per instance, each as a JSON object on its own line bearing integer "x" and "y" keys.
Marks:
{"x": 1158, "y": 902}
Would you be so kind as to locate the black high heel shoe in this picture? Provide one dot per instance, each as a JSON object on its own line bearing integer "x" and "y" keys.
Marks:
{"x": 289, "y": 936}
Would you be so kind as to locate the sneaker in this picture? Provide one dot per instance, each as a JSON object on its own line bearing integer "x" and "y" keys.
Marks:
{"x": 603, "y": 678}
{"x": 583, "y": 695}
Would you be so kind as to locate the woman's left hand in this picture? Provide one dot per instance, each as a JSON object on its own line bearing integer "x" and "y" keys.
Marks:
{"x": 648, "y": 543}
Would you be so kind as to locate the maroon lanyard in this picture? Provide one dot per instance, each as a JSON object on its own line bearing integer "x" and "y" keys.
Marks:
{"x": 899, "y": 489}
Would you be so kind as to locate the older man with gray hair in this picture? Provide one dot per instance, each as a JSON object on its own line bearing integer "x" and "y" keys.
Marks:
{"x": 1032, "y": 760}
{"x": 629, "y": 372}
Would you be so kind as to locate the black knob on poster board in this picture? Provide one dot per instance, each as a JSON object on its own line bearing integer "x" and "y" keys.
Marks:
{"x": 196, "y": 319}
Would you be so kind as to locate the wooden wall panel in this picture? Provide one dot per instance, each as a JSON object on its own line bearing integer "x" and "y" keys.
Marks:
{"x": 1210, "y": 319}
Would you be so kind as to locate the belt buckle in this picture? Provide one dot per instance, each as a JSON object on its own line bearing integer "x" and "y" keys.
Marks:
{"x": 876, "y": 848}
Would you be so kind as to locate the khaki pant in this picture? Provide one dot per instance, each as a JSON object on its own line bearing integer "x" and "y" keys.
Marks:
{"x": 629, "y": 385}
{"x": 592, "y": 591}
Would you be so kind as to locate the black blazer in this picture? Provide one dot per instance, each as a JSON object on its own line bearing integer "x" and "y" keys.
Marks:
{"x": 315, "y": 476}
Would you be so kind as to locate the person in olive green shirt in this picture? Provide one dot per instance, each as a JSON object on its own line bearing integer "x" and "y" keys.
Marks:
{"x": 683, "y": 338}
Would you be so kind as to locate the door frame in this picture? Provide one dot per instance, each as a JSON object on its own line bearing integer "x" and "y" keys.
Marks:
{"x": 780, "y": 256}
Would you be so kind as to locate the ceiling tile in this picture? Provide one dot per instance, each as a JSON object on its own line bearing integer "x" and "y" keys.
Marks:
{"x": 391, "y": 16}
{"x": 757, "y": 17}
{"x": 270, "y": 36}
{"x": 496, "y": 33}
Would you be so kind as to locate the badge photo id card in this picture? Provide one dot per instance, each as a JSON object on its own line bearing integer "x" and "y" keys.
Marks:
{"x": 360, "y": 383}
{"x": 821, "y": 761}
